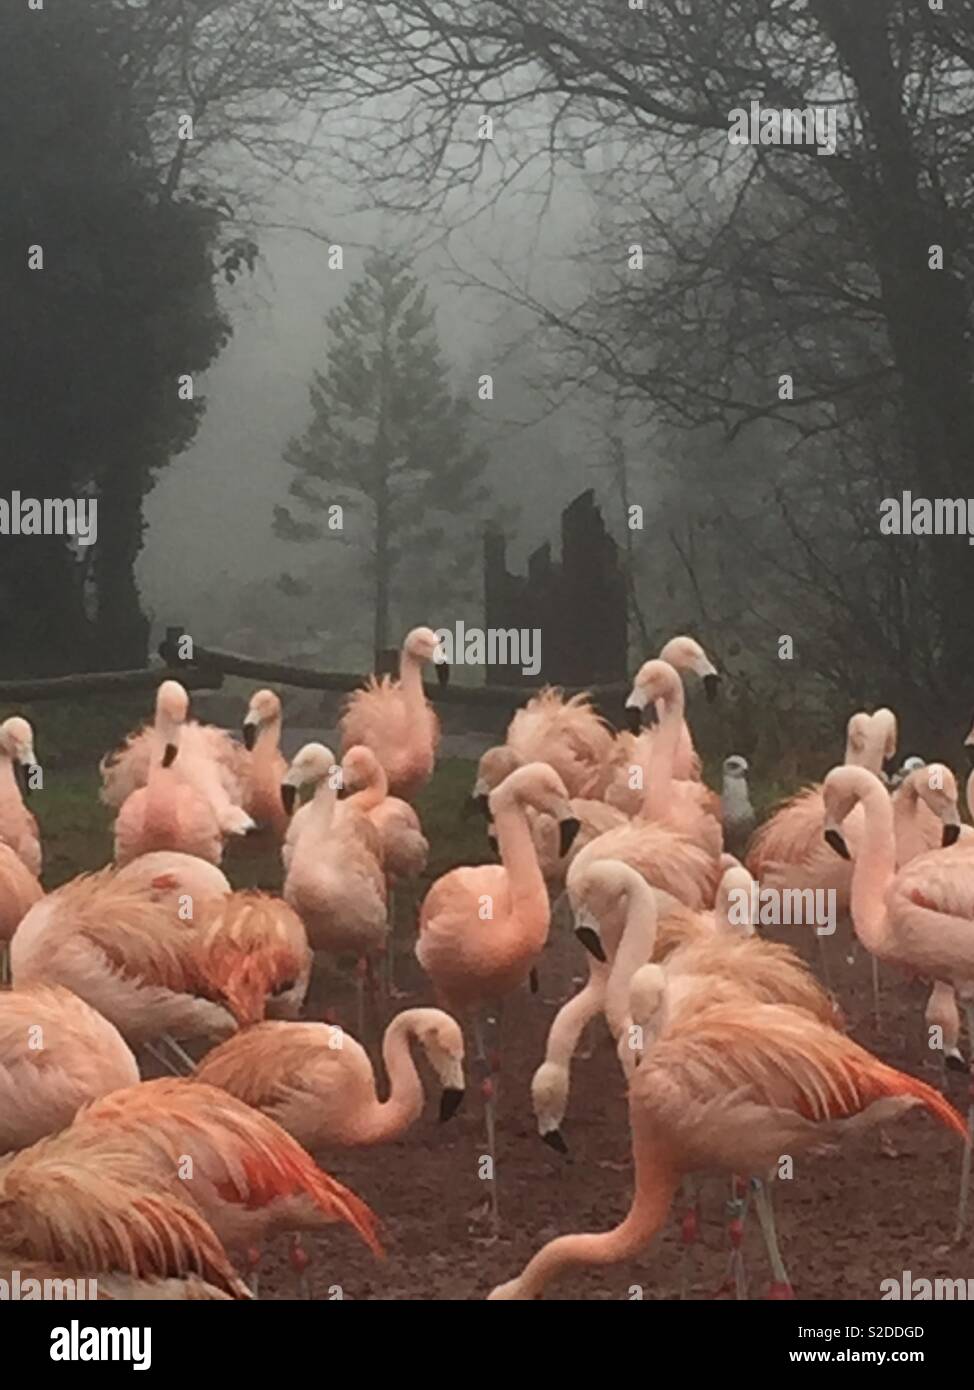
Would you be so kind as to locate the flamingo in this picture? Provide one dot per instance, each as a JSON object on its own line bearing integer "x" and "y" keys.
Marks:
{"x": 317, "y": 1082}
{"x": 482, "y": 929}
{"x": 685, "y": 806}
{"x": 152, "y": 974}
{"x": 569, "y": 735}
{"x": 167, "y": 814}
{"x": 395, "y": 719}
{"x": 18, "y": 828}
{"x": 56, "y": 1054}
{"x": 184, "y": 881}
{"x": 920, "y": 916}
{"x": 634, "y": 748}
{"x": 729, "y": 1088}
{"x": 257, "y": 954}
{"x": 333, "y": 862}
{"x": 246, "y": 1175}
{"x": 19, "y": 891}
{"x": 265, "y": 766}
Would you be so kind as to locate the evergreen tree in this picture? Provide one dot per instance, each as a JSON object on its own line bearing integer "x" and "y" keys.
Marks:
{"x": 391, "y": 443}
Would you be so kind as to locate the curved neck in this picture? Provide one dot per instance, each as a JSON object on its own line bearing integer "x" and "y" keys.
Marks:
{"x": 662, "y": 755}
{"x": 8, "y": 779}
{"x": 873, "y": 871}
{"x": 321, "y": 811}
{"x": 389, "y": 1118}
{"x": 657, "y": 1181}
{"x": 635, "y": 949}
{"x": 570, "y": 1020}
{"x": 373, "y": 794}
{"x": 411, "y": 683}
{"x": 970, "y": 795}
{"x": 161, "y": 819}
{"x": 520, "y": 859}
{"x": 268, "y": 741}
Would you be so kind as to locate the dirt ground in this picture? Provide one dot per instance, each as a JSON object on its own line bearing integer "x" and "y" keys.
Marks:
{"x": 845, "y": 1222}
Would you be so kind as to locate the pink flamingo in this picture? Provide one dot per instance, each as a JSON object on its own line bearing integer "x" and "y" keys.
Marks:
{"x": 56, "y": 1054}
{"x": 126, "y": 769}
{"x": 634, "y": 748}
{"x": 333, "y": 862}
{"x": 184, "y": 881}
{"x": 727, "y": 1087}
{"x": 920, "y": 917}
{"x": 18, "y": 828}
{"x": 167, "y": 814}
{"x": 19, "y": 891}
{"x": 482, "y": 929}
{"x": 395, "y": 719}
{"x": 266, "y": 765}
{"x": 317, "y": 1082}
{"x": 686, "y": 806}
{"x": 569, "y": 735}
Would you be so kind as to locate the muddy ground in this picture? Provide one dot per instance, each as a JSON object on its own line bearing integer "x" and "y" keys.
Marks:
{"x": 845, "y": 1222}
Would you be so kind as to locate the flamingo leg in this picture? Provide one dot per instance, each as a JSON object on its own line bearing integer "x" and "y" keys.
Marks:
{"x": 389, "y": 981}
{"x": 877, "y": 1018}
{"x": 965, "y": 1170}
{"x": 489, "y": 1089}
{"x": 781, "y": 1285}
{"x": 4, "y": 964}
{"x": 823, "y": 960}
{"x": 690, "y": 1230}
{"x": 360, "y": 969}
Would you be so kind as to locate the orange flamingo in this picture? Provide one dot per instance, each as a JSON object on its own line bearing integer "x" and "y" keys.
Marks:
{"x": 246, "y": 1175}
{"x": 317, "y": 1082}
{"x": 569, "y": 735}
{"x": 920, "y": 917}
{"x": 18, "y": 828}
{"x": 728, "y": 1088}
{"x": 482, "y": 929}
{"x": 184, "y": 881}
{"x": 395, "y": 719}
{"x": 19, "y": 891}
{"x": 56, "y": 1054}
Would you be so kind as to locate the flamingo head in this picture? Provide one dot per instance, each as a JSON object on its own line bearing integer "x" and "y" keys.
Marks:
{"x": 539, "y": 786}
{"x": 172, "y": 711}
{"x": 361, "y": 769}
{"x": 936, "y": 785}
{"x": 686, "y": 654}
{"x": 263, "y": 711}
{"x": 311, "y": 765}
{"x": 549, "y": 1100}
{"x": 844, "y": 788}
{"x": 423, "y": 644}
{"x": 655, "y": 680}
{"x": 599, "y": 894}
{"x": 441, "y": 1038}
{"x": 17, "y": 741}
{"x": 647, "y": 1003}
{"x": 495, "y": 765}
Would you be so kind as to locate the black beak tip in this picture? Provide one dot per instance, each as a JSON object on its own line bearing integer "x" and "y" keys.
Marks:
{"x": 567, "y": 831}
{"x": 492, "y": 841}
{"x": 288, "y": 797}
{"x": 443, "y": 673}
{"x": 450, "y": 1102}
{"x": 955, "y": 1063}
{"x": 555, "y": 1140}
{"x": 890, "y": 766}
{"x": 476, "y": 804}
{"x": 969, "y": 750}
{"x": 711, "y": 685}
{"x": 834, "y": 840}
{"x": 249, "y": 736}
{"x": 22, "y": 773}
{"x": 633, "y": 719}
{"x": 343, "y": 793}
{"x": 169, "y": 755}
{"x": 592, "y": 942}
{"x": 950, "y": 836}
{"x": 533, "y": 983}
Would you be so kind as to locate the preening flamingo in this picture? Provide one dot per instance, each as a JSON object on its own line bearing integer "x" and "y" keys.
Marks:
{"x": 256, "y": 953}
{"x": 395, "y": 719}
{"x": 569, "y": 735}
{"x": 19, "y": 891}
{"x": 167, "y": 814}
{"x": 728, "y": 1088}
{"x": 154, "y": 974}
{"x": 482, "y": 929}
{"x": 405, "y": 848}
{"x": 246, "y": 1175}
{"x": 333, "y": 860}
{"x": 920, "y": 917}
{"x": 18, "y": 828}
{"x": 56, "y": 1054}
{"x": 264, "y": 767}
{"x": 178, "y": 879}
{"x": 317, "y": 1082}
{"x": 631, "y": 762}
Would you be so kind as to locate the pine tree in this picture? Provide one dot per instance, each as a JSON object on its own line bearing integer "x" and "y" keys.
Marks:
{"x": 390, "y": 442}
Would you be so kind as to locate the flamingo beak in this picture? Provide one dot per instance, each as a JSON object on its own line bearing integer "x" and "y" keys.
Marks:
{"x": 22, "y": 773}
{"x": 555, "y": 1140}
{"x": 249, "y": 734}
{"x": 951, "y": 834}
{"x": 492, "y": 841}
{"x": 443, "y": 673}
{"x": 450, "y": 1102}
{"x": 890, "y": 767}
{"x": 169, "y": 755}
{"x": 567, "y": 830}
{"x": 634, "y": 719}
{"x": 289, "y": 795}
{"x": 969, "y": 750}
{"x": 835, "y": 840}
{"x": 711, "y": 685}
{"x": 476, "y": 804}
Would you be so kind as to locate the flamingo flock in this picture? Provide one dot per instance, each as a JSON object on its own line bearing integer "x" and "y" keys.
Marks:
{"x": 168, "y": 1083}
